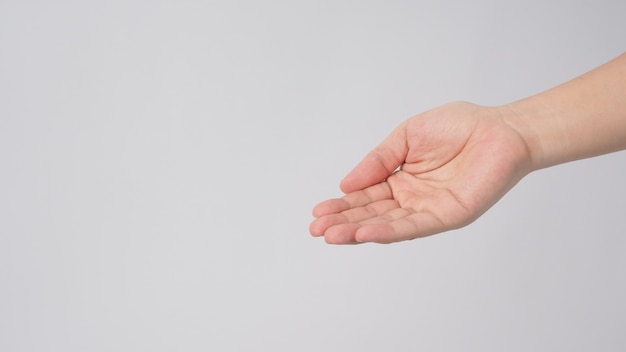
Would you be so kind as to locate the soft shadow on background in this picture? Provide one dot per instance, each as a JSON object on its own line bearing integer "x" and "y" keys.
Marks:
{"x": 159, "y": 161}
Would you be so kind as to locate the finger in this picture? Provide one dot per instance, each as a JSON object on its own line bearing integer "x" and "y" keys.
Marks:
{"x": 369, "y": 211}
{"x": 388, "y": 216}
{"x": 375, "y": 193}
{"x": 352, "y": 200}
{"x": 319, "y": 226}
{"x": 373, "y": 210}
{"x": 409, "y": 227}
{"x": 379, "y": 163}
{"x": 342, "y": 234}
{"x": 331, "y": 206}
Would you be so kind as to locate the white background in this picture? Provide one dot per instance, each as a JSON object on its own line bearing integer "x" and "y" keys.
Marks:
{"x": 159, "y": 161}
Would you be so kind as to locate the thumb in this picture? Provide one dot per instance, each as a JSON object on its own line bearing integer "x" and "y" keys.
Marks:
{"x": 378, "y": 164}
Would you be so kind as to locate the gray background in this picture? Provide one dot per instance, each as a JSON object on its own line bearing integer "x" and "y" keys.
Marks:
{"x": 160, "y": 159}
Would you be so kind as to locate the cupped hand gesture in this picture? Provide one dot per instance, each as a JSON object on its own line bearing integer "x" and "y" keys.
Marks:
{"x": 437, "y": 171}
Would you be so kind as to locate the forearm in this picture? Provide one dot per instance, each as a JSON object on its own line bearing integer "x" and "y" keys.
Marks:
{"x": 582, "y": 118}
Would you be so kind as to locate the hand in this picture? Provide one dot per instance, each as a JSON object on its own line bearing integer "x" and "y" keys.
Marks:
{"x": 437, "y": 171}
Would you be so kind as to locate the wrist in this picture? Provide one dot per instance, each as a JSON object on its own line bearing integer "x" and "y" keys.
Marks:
{"x": 519, "y": 116}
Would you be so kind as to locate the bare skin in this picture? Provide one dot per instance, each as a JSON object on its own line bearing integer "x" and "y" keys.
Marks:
{"x": 442, "y": 169}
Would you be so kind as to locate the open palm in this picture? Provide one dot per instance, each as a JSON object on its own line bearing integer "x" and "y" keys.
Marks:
{"x": 437, "y": 171}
